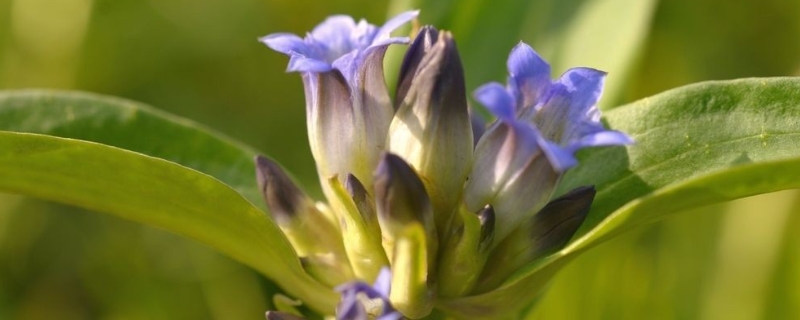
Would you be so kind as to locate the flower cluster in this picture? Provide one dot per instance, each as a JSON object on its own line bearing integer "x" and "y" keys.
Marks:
{"x": 416, "y": 184}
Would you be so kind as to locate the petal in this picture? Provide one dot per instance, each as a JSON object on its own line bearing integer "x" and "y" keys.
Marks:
{"x": 383, "y": 284}
{"x": 570, "y": 111}
{"x": 500, "y": 155}
{"x": 349, "y": 64}
{"x": 585, "y": 85}
{"x": 561, "y": 159}
{"x": 286, "y": 43}
{"x": 602, "y": 138}
{"x": 335, "y": 36}
{"x": 388, "y": 41}
{"x": 303, "y": 64}
{"x": 529, "y": 75}
{"x": 393, "y": 23}
{"x": 495, "y": 98}
{"x": 350, "y": 308}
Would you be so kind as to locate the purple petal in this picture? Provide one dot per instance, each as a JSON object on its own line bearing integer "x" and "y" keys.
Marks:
{"x": 495, "y": 97}
{"x": 584, "y": 85}
{"x": 394, "y": 315}
{"x": 350, "y": 308}
{"x": 286, "y": 43}
{"x": 393, "y": 23}
{"x": 560, "y": 158}
{"x": 388, "y": 41}
{"x": 349, "y": 64}
{"x": 303, "y": 64}
{"x": 525, "y": 62}
{"x": 383, "y": 284}
{"x": 602, "y": 138}
{"x": 529, "y": 75}
{"x": 335, "y": 33}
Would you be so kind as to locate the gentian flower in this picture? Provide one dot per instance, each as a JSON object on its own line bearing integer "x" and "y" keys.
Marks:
{"x": 406, "y": 184}
{"x": 541, "y": 126}
{"x": 362, "y": 301}
{"x": 347, "y": 104}
{"x": 348, "y": 107}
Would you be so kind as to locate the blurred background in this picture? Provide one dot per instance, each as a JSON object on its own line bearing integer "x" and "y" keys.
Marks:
{"x": 201, "y": 60}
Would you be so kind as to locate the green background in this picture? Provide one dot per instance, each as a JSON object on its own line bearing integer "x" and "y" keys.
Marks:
{"x": 201, "y": 60}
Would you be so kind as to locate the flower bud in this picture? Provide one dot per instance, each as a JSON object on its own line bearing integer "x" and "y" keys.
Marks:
{"x": 513, "y": 173}
{"x": 401, "y": 201}
{"x": 359, "y": 227}
{"x": 432, "y": 128}
{"x": 317, "y": 241}
{"x": 466, "y": 253}
{"x": 546, "y": 232}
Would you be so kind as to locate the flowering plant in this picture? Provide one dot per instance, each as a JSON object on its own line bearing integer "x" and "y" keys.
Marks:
{"x": 447, "y": 216}
{"x": 434, "y": 210}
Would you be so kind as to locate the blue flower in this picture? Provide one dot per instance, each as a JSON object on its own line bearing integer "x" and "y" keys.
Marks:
{"x": 337, "y": 43}
{"x": 347, "y": 103}
{"x": 541, "y": 125}
{"x": 360, "y": 301}
{"x": 405, "y": 184}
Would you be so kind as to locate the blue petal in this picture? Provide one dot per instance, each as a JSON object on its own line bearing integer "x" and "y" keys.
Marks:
{"x": 286, "y": 43}
{"x": 349, "y": 64}
{"x": 529, "y": 75}
{"x": 561, "y": 159}
{"x": 393, "y": 315}
{"x": 383, "y": 284}
{"x": 495, "y": 97}
{"x": 584, "y": 85}
{"x": 602, "y": 138}
{"x": 523, "y": 61}
{"x": 394, "y": 23}
{"x": 334, "y": 36}
{"x": 303, "y": 64}
{"x": 388, "y": 41}
{"x": 350, "y": 308}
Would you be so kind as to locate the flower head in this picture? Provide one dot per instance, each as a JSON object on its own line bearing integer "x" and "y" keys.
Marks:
{"x": 347, "y": 104}
{"x": 337, "y": 43}
{"x": 541, "y": 125}
{"x": 405, "y": 181}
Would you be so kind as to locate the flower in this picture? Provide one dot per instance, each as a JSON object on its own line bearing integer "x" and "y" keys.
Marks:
{"x": 361, "y": 301}
{"x": 348, "y": 109}
{"x": 347, "y": 104}
{"x": 407, "y": 185}
{"x": 542, "y": 124}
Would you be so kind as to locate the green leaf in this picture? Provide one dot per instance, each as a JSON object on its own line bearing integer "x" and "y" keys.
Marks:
{"x": 133, "y": 126}
{"x": 601, "y": 34}
{"x": 695, "y": 145}
{"x": 159, "y": 193}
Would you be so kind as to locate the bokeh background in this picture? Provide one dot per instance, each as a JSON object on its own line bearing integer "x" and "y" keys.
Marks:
{"x": 200, "y": 59}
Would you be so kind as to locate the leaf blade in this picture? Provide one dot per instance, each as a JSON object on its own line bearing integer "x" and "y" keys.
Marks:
{"x": 158, "y": 193}
{"x": 132, "y": 126}
{"x": 695, "y": 145}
